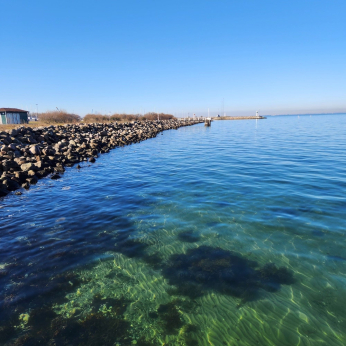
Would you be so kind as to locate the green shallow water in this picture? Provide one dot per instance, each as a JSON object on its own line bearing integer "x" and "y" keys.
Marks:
{"x": 229, "y": 235}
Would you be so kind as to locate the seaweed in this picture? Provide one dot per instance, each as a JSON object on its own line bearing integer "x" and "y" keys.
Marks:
{"x": 143, "y": 342}
{"x": 188, "y": 332}
{"x": 170, "y": 318}
{"x": 154, "y": 315}
{"x": 7, "y": 332}
{"x": 154, "y": 260}
{"x": 206, "y": 269}
{"x": 131, "y": 247}
{"x": 189, "y": 237}
{"x": 41, "y": 318}
{"x": 99, "y": 329}
{"x": 117, "y": 306}
{"x": 48, "y": 328}
{"x": 135, "y": 248}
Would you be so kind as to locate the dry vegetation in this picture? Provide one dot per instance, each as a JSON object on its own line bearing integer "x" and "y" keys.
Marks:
{"x": 58, "y": 117}
{"x": 63, "y": 117}
{"x": 99, "y": 118}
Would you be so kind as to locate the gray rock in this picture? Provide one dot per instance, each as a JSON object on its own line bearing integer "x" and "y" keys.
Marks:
{"x": 12, "y": 147}
{"x": 21, "y": 176}
{"x": 13, "y": 133}
{"x": 9, "y": 164}
{"x": 10, "y": 184}
{"x": 27, "y": 166}
{"x": 26, "y": 185}
{"x": 32, "y": 180}
{"x": 35, "y": 149}
{"x": 3, "y": 191}
{"x": 31, "y": 173}
{"x": 55, "y": 176}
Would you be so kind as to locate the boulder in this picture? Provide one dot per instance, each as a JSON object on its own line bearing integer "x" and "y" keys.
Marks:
{"x": 42, "y": 173}
{"x": 13, "y": 133}
{"x": 26, "y": 185}
{"x": 59, "y": 168}
{"x": 35, "y": 150}
{"x": 27, "y": 166}
{"x": 10, "y": 184}
{"x": 12, "y": 147}
{"x": 55, "y": 176}
{"x": 9, "y": 164}
{"x": 31, "y": 173}
{"x": 40, "y": 165}
{"x": 32, "y": 180}
{"x": 3, "y": 191}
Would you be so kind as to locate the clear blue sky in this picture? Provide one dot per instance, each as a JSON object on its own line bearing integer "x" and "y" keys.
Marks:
{"x": 174, "y": 56}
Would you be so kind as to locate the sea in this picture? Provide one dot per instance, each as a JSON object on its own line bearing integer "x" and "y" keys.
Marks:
{"x": 232, "y": 234}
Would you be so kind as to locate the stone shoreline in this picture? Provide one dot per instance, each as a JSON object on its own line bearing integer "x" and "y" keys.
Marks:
{"x": 29, "y": 154}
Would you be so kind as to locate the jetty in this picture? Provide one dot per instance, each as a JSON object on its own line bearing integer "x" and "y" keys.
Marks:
{"x": 29, "y": 154}
{"x": 239, "y": 118}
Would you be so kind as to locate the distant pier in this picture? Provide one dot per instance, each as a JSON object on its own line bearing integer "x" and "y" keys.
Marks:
{"x": 239, "y": 118}
{"x": 195, "y": 120}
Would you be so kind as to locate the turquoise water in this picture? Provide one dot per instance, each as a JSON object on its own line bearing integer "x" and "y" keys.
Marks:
{"x": 228, "y": 235}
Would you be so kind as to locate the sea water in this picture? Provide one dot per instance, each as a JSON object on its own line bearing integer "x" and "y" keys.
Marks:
{"x": 232, "y": 234}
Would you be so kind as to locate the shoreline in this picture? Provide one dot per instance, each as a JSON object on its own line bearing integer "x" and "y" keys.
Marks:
{"x": 29, "y": 154}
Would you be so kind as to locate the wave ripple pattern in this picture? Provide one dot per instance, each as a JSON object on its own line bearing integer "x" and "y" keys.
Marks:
{"x": 232, "y": 234}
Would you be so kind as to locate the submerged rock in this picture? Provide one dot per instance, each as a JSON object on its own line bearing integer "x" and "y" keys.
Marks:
{"x": 55, "y": 176}
{"x": 206, "y": 269}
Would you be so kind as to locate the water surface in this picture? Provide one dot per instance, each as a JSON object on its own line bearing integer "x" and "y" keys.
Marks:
{"x": 228, "y": 235}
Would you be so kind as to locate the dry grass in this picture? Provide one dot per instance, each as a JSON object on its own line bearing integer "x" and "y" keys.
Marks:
{"x": 31, "y": 124}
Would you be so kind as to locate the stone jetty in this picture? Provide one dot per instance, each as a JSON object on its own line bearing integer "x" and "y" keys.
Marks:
{"x": 239, "y": 118}
{"x": 29, "y": 154}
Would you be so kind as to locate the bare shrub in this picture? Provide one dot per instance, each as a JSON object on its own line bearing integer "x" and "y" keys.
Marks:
{"x": 156, "y": 116}
{"x": 139, "y": 117}
{"x": 124, "y": 117}
{"x": 51, "y": 117}
{"x": 96, "y": 118}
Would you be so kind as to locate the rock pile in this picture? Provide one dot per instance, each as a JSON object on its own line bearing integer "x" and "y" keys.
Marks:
{"x": 28, "y": 154}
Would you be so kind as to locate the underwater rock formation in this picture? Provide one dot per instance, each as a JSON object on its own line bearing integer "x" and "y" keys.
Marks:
{"x": 189, "y": 237}
{"x": 213, "y": 269}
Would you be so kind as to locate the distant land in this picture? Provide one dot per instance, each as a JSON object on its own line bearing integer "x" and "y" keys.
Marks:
{"x": 327, "y": 113}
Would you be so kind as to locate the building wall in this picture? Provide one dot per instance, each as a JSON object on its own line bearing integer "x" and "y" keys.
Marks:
{"x": 13, "y": 118}
{"x": 24, "y": 118}
{"x": 3, "y": 118}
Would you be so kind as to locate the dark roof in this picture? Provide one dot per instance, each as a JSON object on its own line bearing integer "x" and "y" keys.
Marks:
{"x": 12, "y": 110}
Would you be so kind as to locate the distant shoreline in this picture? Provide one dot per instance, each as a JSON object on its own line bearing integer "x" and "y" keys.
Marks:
{"x": 278, "y": 115}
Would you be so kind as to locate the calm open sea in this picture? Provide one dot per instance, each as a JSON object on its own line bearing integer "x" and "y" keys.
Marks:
{"x": 228, "y": 235}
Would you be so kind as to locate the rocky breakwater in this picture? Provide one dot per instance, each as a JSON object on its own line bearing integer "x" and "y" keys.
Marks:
{"x": 29, "y": 154}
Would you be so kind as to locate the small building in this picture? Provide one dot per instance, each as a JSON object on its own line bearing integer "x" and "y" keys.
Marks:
{"x": 13, "y": 116}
